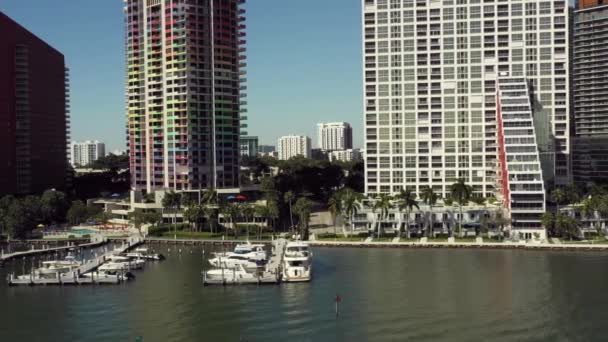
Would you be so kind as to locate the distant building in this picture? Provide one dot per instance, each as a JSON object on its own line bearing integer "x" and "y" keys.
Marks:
{"x": 118, "y": 152}
{"x": 84, "y": 153}
{"x": 590, "y": 67}
{"x": 346, "y": 155}
{"x": 332, "y": 136}
{"x": 294, "y": 145}
{"x": 34, "y": 115}
{"x": 266, "y": 149}
{"x": 249, "y": 146}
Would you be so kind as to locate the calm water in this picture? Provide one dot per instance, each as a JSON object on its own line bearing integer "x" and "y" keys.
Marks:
{"x": 387, "y": 295}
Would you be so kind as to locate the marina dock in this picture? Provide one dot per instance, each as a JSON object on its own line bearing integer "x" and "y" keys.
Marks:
{"x": 83, "y": 275}
{"x": 8, "y": 256}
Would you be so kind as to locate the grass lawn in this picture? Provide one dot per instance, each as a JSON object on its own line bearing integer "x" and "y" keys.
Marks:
{"x": 466, "y": 239}
{"x": 437, "y": 239}
{"x": 383, "y": 239}
{"x": 341, "y": 238}
{"x": 597, "y": 241}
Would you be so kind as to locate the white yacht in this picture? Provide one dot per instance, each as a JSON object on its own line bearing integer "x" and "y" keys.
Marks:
{"x": 297, "y": 262}
{"x": 253, "y": 252}
{"x": 143, "y": 253}
{"x": 132, "y": 262}
{"x": 51, "y": 268}
{"x": 236, "y": 275}
{"x": 234, "y": 260}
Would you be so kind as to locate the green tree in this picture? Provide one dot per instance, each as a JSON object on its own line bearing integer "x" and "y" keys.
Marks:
{"x": 54, "y": 206}
{"x": 566, "y": 225}
{"x": 383, "y": 205}
{"x": 461, "y": 193}
{"x": 195, "y": 214}
{"x": 406, "y": 201}
{"x": 351, "y": 204}
{"x": 303, "y": 208}
{"x": 288, "y": 197}
{"x": 589, "y": 209}
{"x": 430, "y": 198}
{"x": 559, "y": 196}
{"x": 21, "y": 218}
{"x": 335, "y": 208}
{"x": 548, "y": 221}
{"x": 77, "y": 213}
{"x": 138, "y": 219}
{"x": 172, "y": 202}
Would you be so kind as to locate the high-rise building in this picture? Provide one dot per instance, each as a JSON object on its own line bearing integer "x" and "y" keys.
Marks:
{"x": 430, "y": 72}
{"x": 249, "y": 145}
{"x": 34, "y": 104}
{"x": 520, "y": 177}
{"x": 185, "y": 61}
{"x": 590, "y": 93}
{"x": 332, "y": 136}
{"x": 84, "y": 153}
{"x": 294, "y": 145}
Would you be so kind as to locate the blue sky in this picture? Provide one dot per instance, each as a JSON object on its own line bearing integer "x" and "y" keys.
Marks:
{"x": 304, "y": 63}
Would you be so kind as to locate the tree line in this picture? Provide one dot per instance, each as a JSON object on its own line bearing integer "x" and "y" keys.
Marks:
{"x": 20, "y": 216}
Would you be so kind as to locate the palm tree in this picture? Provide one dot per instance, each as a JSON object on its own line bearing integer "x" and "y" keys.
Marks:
{"x": 384, "y": 205}
{"x": 566, "y": 225}
{"x": 548, "y": 221}
{"x": 288, "y": 197}
{"x": 335, "y": 207}
{"x": 351, "y": 204}
{"x": 461, "y": 192}
{"x": 589, "y": 208}
{"x": 248, "y": 212}
{"x": 172, "y": 201}
{"x": 406, "y": 200}
{"x": 303, "y": 207}
{"x": 560, "y": 196}
{"x": 429, "y": 197}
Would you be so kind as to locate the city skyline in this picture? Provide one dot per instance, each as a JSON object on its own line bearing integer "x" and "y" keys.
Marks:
{"x": 331, "y": 48}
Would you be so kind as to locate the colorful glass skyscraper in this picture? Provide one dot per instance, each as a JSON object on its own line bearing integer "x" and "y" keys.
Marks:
{"x": 185, "y": 63}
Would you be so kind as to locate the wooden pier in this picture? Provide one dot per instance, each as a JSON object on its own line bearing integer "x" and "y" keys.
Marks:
{"x": 83, "y": 275}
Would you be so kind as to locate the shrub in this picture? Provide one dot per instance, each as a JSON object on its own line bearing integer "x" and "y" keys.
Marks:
{"x": 327, "y": 236}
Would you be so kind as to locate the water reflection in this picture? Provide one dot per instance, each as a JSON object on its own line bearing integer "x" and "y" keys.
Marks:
{"x": 387, "y": 295}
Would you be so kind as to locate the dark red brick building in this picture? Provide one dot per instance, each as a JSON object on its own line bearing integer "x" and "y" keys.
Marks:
{"x": 33, "y": 112}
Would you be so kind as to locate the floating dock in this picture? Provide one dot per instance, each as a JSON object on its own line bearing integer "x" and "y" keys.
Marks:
{"x": 83, "y": 275}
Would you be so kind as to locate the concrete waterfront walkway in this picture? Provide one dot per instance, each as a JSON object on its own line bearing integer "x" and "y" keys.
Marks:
{"x": 487, "y": 245}
{"x": 369, "y": 243}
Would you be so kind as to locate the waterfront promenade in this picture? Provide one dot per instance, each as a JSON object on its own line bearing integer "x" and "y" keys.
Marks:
{"x": 404, "y": 244}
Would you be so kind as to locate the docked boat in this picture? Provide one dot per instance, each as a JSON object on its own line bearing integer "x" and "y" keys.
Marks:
{"x": 143, "y": 253}
{"x": 132, "y": 263}
{"x": 54, "y": 267}
{"x": 237, "y": 275}
{"x": 249, "y": 251}
{"x": 297, "y": 262}
{"x": 234, "y": 260}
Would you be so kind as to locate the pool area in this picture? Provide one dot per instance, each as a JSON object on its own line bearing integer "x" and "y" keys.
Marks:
{"x": 81, "y": 231}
